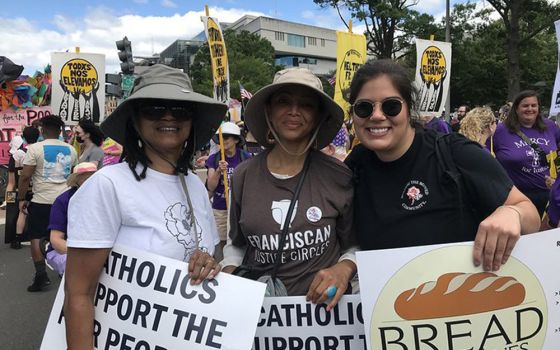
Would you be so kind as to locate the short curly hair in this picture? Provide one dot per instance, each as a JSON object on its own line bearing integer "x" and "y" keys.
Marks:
{"x": 475, "y": 124}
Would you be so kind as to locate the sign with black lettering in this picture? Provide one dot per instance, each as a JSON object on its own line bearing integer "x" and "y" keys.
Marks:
{"x": 433, "y": 73}
{"x": 12, "y": 123}
{"x": 78, "y": 88}
{"x": 145, "y": 301}
{"x": 295, "y": 324}
{"x": 432, "y": 297}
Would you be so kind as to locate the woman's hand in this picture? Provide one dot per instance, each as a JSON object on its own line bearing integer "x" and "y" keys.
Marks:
{"x": 202, "y": 266}
{"x": 229, "y": 269}
{"x": 496, "y": 237}
{"x": 338, "y": 276}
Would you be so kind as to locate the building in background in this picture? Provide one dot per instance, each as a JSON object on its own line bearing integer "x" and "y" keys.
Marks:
{"x": 295, "y": 44}
{"x": 180, "y": 54}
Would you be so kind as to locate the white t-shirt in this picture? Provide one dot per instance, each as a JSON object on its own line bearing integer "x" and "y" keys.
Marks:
{"x": 152, "y": 214}
{"x": 53, "y": 161}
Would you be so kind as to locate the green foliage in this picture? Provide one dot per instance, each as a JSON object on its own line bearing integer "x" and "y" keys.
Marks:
{"x": 251, "y": 62}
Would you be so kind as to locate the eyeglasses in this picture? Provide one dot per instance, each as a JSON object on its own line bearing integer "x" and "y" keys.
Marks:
{"x": 390, "y": 107}
{"x": 158, "y": 111}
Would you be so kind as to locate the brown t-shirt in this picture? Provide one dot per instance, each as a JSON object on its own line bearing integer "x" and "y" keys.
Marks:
{"x": 321, "y": 226}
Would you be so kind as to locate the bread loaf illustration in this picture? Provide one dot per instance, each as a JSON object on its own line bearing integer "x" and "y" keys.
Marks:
{"x": 457, "y": 293}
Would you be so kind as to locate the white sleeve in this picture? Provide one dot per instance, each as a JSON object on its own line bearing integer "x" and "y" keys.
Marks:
{"x": 94, "y": 214}
{"x": 29, "y": 158}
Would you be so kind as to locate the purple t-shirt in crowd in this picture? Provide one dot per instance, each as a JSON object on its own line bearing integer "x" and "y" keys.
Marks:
{"x": 521, "y": 162}
{"x": 438, "y": 125}
{"x": 554, "y": 205}
{"x": 59, "y": 212}
{"x": 219, "y": 198}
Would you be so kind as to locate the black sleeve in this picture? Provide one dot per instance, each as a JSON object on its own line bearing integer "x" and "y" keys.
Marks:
{"x": 486, "y": 182}
{"x": 12, "y": 165}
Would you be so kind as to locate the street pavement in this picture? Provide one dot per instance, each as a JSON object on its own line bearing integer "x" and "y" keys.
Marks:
{"x": 23, "y": 315}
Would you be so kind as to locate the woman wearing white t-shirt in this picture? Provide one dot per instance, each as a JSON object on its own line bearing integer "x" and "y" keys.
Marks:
{"x": 151, "y": 202}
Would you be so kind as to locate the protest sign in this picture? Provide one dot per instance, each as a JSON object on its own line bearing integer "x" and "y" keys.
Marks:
{"x": 555, "y": 103}
{"x": 432, "y": 297}
{"x": 295, "y": 324}
{"x": 78, "y": 89}
{"x": 350, "y": 56}
{"x": 432, "y": 77}
{"x": 12, "y": 123}
{"x": 145, "y": 301}
{"x": 218, "y": 58}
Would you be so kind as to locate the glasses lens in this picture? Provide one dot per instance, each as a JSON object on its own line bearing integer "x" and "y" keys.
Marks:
{"x": 152, "y": 112}
{"x": 363, "y": 109}
{"x": 180, "y": 112}
{"x": 391, "y": 107}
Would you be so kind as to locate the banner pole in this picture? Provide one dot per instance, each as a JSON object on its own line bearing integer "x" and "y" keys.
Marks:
{"x": 224, "y": 174}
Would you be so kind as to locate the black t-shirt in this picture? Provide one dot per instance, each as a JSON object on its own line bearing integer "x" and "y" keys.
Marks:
{"x": 410, "y": 201}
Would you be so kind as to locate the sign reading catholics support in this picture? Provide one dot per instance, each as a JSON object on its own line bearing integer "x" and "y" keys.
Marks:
{"x": 218, "y": 58}
{"x": 555, "y": 103}
{"x": 433, "y": 74}
{"x": 432, "y": 297}
{"x": 350, "y": 56}
{"x": 296, "y": 324}
{"x": 146, "y": 301}
{"x": 78, "y": 88}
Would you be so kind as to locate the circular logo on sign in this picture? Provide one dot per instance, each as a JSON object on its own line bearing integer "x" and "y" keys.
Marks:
{"x": 456, "y": 303}
{"x": 433, "y": 65}
{"x": 78, "y": 76}
{"x": 314, "y": 214}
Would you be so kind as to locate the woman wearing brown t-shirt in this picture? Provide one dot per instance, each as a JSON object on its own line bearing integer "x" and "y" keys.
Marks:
{"x": 293, "y": 118}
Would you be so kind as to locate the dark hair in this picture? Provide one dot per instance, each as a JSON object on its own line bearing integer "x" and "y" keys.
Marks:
{"x": 30, "y": 134}
{"x": 512, "y": 120}
{"x": 134, "y": 154}
{"x": 95, "y": 134}
{"x": 395, "y": 72}
{"x": 52, "y": 122}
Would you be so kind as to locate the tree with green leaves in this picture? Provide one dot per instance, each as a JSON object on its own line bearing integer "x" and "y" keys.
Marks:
{"x": 523, "y": 20}
{"x": 391, "y": 25}
{"x": 250, "y": 60}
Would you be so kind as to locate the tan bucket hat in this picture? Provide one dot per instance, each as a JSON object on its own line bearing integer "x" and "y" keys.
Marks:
{"x": 255, "y": 116}
{"x": 166, "y": 83}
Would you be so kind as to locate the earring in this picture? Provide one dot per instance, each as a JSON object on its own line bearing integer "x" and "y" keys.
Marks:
{"x": 140, "y": 144}
{"x": 270, "y": 137}
{"x": 186, "y": 143}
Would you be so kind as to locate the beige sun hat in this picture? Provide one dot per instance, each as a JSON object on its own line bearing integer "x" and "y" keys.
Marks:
{"x": 255, "y": 109}
{"x": 82, "y": 168}
{"x": 166, "y": 83}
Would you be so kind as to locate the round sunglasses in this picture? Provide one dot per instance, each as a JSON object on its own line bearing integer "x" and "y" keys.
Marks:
{"x": 390, "y": 107}
{"x": 158, "y": 111}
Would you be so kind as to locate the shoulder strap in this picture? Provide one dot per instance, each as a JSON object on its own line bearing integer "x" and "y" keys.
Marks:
{"x": 528, "y": 141}
{"x": 445, "y": 159}
{"x": 290, "y": 211}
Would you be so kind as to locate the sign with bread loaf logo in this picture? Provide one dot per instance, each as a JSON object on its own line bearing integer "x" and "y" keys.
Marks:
{"x": 437, "y": 300}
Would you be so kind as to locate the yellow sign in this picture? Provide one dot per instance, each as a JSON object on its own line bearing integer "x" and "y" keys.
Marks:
{"x": 350, "y": 55}
{"x": 78, "y": 76}
{"x": 219, "y": 60}
{"x": 433, "y": 64}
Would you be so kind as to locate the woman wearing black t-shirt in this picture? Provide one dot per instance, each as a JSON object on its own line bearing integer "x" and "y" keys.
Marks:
{"x": 402, "y": 197}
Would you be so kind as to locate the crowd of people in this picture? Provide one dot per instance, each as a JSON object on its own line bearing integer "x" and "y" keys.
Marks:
{"x": 300, "y": 203}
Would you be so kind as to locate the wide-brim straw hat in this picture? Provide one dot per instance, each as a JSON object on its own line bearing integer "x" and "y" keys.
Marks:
{"x": 331, "y": 120}
{"x": 166, "y": 83}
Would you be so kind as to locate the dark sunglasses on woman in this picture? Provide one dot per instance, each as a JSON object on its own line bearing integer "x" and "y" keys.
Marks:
{"x": 391, "y": 107}
{"x": 157, "y": 110}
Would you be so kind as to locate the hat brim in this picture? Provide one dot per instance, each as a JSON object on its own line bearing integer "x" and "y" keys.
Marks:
{"x": 256, "y": 122}
{"x": 208, "y": 113}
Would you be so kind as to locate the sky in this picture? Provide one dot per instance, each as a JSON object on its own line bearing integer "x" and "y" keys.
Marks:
{"x": 31, "y": 30}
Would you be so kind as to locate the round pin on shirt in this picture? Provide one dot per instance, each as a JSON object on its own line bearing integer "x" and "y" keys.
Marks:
{"x": 314, "y": 214}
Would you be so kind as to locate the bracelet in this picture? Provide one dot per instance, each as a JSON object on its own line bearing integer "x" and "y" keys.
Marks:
{"x": 514, "y": 208}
